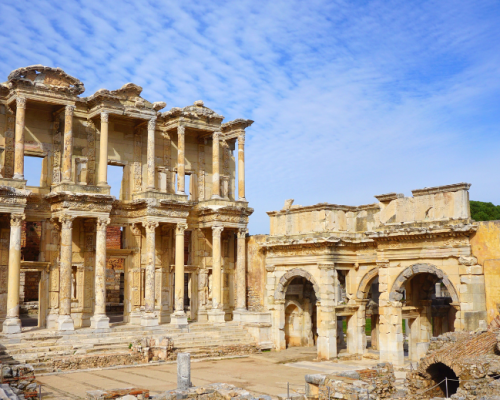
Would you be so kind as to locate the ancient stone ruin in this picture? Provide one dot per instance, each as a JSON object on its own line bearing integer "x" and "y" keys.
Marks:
{"x": 166, "y": 265}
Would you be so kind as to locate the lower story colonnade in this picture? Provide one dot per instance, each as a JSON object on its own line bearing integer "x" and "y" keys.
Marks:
{"x": 174, "y": 271}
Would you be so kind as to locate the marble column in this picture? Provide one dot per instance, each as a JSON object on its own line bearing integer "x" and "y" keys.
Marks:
{"x": 151, "y": 154}
{"x": 65, "y": 322}
{"x": 215, "y": 166}
{"x": 216, "y": 314}
{"x": 181, "y": 144}
{"x": 149, "y": 318}
{"x": 12, "y": 323}
{"x": 102, "y": 179}
{"x": 240, "y": 271}
{"x": 99, "y": 320}
{"x": 241, "y": 166}
{"x": 19, "y": 145}
{"x": 179, "y": 317}
{"x": 68, "y": 144}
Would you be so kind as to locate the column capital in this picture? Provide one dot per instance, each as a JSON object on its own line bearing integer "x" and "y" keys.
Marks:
{"x": 136, "y": 230}
{"x": 104, "y": 116}
{"x": 152, "y": 124}
{"x": 56, "y": 224}
{"x": 151, "y": 226}
{"x": 17, "y": 219}
{"x": 68, "y": 111}
{"x": 241, "y": 137}
{"x": 66, "y": 221}
{"x": 216, "y": 135}
{"x": 21, "y": 102}
{"x": 103, "y": 222}
{"x": 217, "y": 230}
{"x": 242, "y": 233}
{"x": 180, "y": 228}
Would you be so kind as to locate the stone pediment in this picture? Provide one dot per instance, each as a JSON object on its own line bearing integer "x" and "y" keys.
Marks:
{"x": 195, "y": 111}
{"x": 237, "y": 124}
{"x": 47, "y": 78}
{"x": 128, "y": 96}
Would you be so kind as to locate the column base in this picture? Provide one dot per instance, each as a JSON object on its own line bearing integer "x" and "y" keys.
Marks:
{"x": 216, "y": 316}
{"x": 179, "y": 192}
{"x": 149, "y": 319}
{"x": 52, "y": 321}
{"x": 216, "y": 197}
{"x": 135, "y": 318}
{"x": 99, "y": 322}
{"x": 242, "y": 199}
{"x": 12, "y": 325}
{"x": 18, "y": 177}
{"x": 179, "y": 319}
{"x": 239, "y": 315}
{"x": 65, "y": 323}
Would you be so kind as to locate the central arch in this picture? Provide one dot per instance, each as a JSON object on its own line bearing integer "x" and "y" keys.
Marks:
{"x": 396, "y": 293}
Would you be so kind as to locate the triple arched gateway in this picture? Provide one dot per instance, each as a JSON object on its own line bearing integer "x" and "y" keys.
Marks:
{"x": 385, "y": 275}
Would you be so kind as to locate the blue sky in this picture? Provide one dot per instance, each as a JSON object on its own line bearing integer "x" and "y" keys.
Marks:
{"x": 350, "y": 99}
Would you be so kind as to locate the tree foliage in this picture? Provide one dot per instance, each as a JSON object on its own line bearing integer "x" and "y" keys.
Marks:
{"x": 481, "y": 211}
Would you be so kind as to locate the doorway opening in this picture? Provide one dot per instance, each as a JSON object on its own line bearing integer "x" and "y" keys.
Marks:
{"x": 440, "y": 372}
{"x": 300, "y": 313}
{"x": 115, "y": 275}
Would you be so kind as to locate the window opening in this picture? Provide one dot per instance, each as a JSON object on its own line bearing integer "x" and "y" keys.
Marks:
{"x": 33, "y": 167}
{"x": 115, "y": 179}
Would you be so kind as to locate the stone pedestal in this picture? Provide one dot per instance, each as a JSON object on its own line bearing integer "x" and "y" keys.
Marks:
{"x": 99, "y": 322}
{"x": 12, "y": 325}
{"x": 216, "y": 316}
{"x": 179, "y": 320}
{"x": 65, "y": 323}
{"x": 135, "y": 317}
{"x": 149, "y": 320}
{"x": 240, "y": 315}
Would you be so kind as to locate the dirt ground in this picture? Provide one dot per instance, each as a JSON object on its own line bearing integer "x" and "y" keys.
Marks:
{"x": 266, "y": 373}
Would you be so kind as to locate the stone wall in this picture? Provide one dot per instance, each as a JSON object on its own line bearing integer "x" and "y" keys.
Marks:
{"x": 468, "y": 360}
{"x": 256, "y": 273}
{"x": 373, "y": 383}
{"x": 485, "y": 245}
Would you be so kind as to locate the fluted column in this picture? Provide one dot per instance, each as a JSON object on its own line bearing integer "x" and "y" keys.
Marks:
{"x": 215, "y": 166}
{"x": 65, "y": 322}
{"x": 99, "y": 320}
{"x": 216, "y": 314}
{"x": 19, "y": 146}
{"x": 149, "y": 318}
{"x": 12, "y": 323}
{"x": 240, "y": 271}
{"x": 151, "y": 154}
{"x": 102, "y": 179}
{"x": 179, "y": 316}
{"x": 241, "y": 166}
{"x": 68, "y": 144}
{"x": 181, "y": 177}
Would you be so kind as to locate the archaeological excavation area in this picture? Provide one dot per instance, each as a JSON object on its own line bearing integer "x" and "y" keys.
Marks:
{"x": 90, "y": 279}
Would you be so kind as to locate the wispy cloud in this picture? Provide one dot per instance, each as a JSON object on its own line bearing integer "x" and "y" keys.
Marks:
{"x": 349, "y": 98}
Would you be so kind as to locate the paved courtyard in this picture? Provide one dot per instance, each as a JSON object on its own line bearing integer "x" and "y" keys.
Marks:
{"x": 266, "y": 373}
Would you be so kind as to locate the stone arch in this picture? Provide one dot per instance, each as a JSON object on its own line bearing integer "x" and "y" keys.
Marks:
{"x": 396, "y": 293}
{"x": 280, "y": 292}
{"x": 363, "y": 288}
